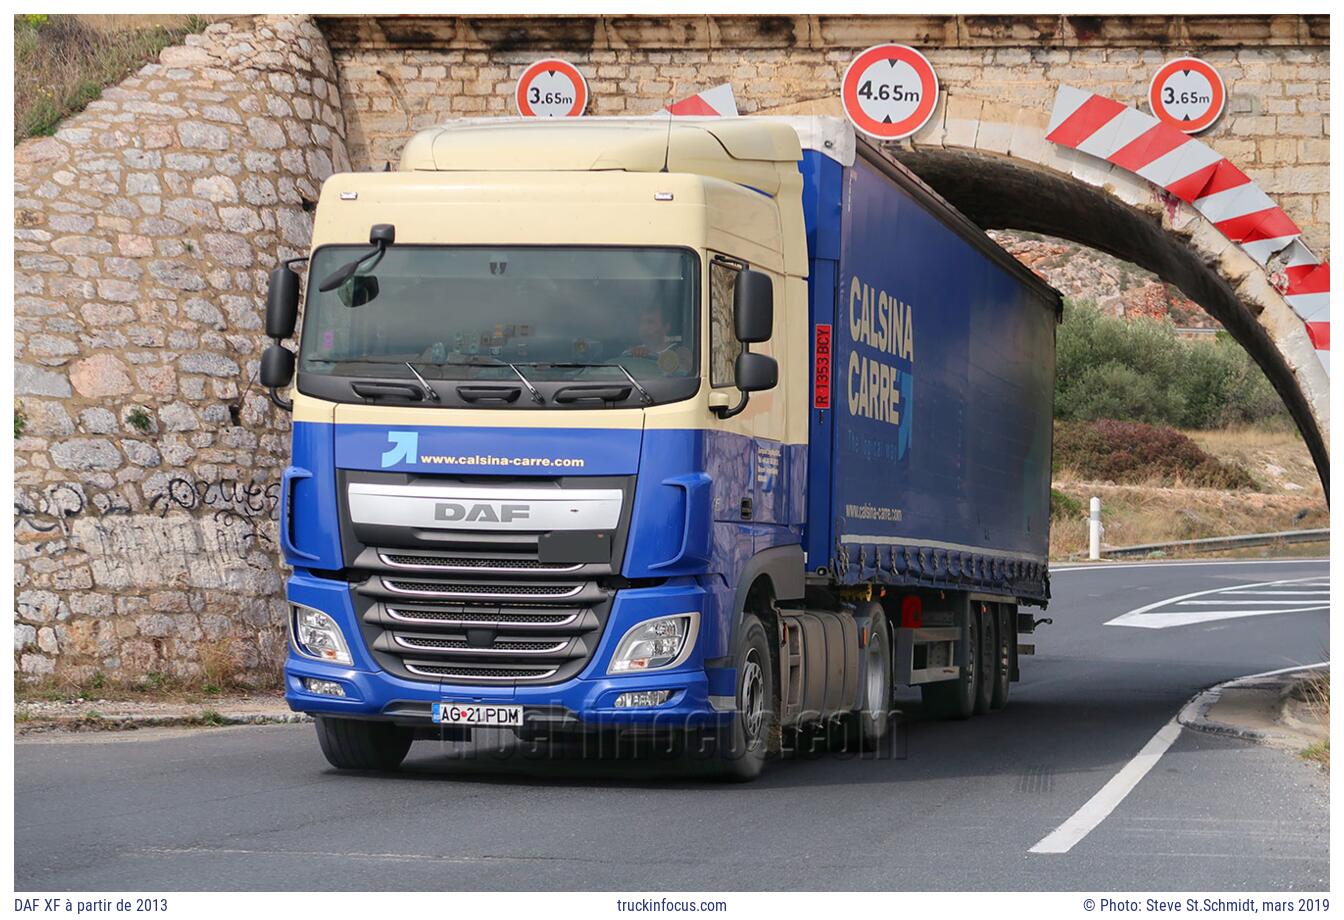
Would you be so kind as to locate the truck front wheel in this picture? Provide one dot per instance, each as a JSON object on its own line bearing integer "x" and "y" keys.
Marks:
{"x": 741, "y": 745}
{"x": 352, "y": 744}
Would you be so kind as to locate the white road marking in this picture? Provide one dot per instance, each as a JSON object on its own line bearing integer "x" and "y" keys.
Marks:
{"x": 1145, "y": 618}
{"x": 1317, "y": 592}
{"x": 1193, "y": 617}
{"x": 1096, "y": 809}
{"x": 1125, "y": 566}
{"x": 1299, "y": 602}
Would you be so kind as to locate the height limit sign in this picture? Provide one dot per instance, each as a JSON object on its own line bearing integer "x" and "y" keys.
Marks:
{"x": 551, "y": 89}
{"x": 1187, "y": 94}
{"x": 889, "y": 91}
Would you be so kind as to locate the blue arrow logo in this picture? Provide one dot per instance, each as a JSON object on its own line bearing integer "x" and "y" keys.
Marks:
{"x": 405, "y": 448}
{"x": 903, "y": 432}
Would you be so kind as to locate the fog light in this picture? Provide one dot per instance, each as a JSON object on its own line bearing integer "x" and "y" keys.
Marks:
{"x": 323, "y": 687}
{"x": 643, "y": 698}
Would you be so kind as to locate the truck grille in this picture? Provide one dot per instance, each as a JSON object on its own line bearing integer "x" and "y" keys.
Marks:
{"x": 469, "y": 564}
{"x": 468, "y": 673}
{"x": 491, "y": 589}
{"x": 493, "y": 621}
{"x": 494, "y": 648}
{"x": 484, "y": 617}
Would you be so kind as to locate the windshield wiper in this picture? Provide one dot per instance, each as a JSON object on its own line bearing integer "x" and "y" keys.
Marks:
{"x": 536, "y": 396}
{"x": 476, "y": 361}
{"x": 423, "y": 382}
{"x": 644, "y": 394}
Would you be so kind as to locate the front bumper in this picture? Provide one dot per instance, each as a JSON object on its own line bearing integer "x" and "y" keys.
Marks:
{"x": 585, "y": 703}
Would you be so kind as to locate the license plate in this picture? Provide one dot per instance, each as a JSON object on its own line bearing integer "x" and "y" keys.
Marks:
{"x": 485, "y": 715}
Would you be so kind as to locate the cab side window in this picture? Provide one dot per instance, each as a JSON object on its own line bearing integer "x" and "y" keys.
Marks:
{"x": 723, "y": 344}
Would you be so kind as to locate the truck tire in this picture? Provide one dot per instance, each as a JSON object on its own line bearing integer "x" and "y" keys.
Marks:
{"x": 1004, "y": 636}
{"x": 353, "y": 744}
{"x": 987, "y": 649}
{"x": 739, "y": 754}
{"x": 955, "y": 699}
{"x": 869, "y": 727}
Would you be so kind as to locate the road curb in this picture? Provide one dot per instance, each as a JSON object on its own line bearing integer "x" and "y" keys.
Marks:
{"x": 182, "y": 717}
{"x": 1194, "y": 715}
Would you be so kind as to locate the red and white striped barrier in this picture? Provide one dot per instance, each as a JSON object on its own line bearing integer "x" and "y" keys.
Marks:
{"x": 718, "y": 101}
{"x": 1211, "y": 184}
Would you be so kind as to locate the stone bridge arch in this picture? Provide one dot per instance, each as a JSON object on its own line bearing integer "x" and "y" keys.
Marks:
{"x": 994, "y": 163}
{"x": 985, "y": 148}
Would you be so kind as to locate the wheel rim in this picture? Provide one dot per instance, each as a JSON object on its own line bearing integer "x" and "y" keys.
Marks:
{"x": 991, "y": 650}
{"x": 753, "y": 698}
{"x": 877, "y": 681}
{"x": 972, "y": 655}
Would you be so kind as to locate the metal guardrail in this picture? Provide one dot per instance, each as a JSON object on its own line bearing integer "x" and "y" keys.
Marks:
{"x": 1211, "y": 544}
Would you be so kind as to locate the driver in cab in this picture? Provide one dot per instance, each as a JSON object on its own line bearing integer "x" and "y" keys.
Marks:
{"x": 656, "y": 343}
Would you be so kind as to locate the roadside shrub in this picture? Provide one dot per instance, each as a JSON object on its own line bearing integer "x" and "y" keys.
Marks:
{"x": 1140, "y": 370}
{"x": 1064, "y": 506}
{"x": 1114, "y": 390}
{"x": 1134, "y": 452}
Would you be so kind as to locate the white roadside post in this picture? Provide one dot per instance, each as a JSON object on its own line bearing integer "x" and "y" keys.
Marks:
{"x": 1094, "y": 530}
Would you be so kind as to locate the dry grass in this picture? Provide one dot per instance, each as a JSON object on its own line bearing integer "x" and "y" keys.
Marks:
{"x": 1319, "y": 753}
{"x": 1134, "y": 515}
{"x": 223, "y": 672}
{"x": 62, "y": 63}
{"x": 1276, "y": 457}
{"x": 1289, "y": 498}
{"x": 221, "y": 665}
{"x": 1315, "y": 691}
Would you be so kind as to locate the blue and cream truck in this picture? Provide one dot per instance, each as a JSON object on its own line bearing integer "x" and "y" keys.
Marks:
{"x": 721, "y": 427}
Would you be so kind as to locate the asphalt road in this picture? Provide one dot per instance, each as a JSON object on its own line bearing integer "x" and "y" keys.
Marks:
{"x": 258, "y": 808}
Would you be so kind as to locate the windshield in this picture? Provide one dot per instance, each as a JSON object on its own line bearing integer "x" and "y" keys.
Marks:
{"x": 467, "y": 313}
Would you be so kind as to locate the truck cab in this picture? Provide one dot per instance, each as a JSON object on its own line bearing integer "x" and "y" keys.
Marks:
{"x": 541, "y": 431}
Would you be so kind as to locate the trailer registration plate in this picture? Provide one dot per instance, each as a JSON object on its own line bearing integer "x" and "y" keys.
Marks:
{"x": 483, "y": 714}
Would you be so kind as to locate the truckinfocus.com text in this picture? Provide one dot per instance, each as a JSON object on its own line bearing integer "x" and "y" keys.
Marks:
{"x": 659, "y": 905}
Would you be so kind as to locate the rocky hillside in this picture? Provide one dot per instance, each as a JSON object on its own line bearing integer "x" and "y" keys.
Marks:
{"x": 1117, "y": 287}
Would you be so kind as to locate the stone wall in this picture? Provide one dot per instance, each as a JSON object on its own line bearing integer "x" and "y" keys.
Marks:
{"x": 400, "y": 74}
{"x": 147, "y": 457}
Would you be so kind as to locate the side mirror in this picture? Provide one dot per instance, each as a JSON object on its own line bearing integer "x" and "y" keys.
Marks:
{"x": 277, "y": 367}
{"x": 753, "y": 373}
{"x": 282, "y": 303}
{"x": 753, "y": 306}
{"x": 358, "y": 291}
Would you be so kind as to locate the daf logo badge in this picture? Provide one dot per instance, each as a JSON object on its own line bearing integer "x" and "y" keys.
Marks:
{"x": 495, "y": 514}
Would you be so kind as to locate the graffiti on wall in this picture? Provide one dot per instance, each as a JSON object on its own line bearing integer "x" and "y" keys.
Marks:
{"x": 203, "y": 533}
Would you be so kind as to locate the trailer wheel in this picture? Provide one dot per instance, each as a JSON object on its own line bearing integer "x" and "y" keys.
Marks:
{"x": 741, "y": 745}
{"x": 955, "y": 699}
{"x": 354, "y": 744}
{"x": 1003, "y": 651}
{"x": 868, "y": 728}
{"x": 987, "y": 649}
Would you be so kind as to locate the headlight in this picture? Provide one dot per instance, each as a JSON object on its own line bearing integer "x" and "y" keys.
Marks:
{"x": 316, "y": 635}
{"x": 658, "y": 643}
